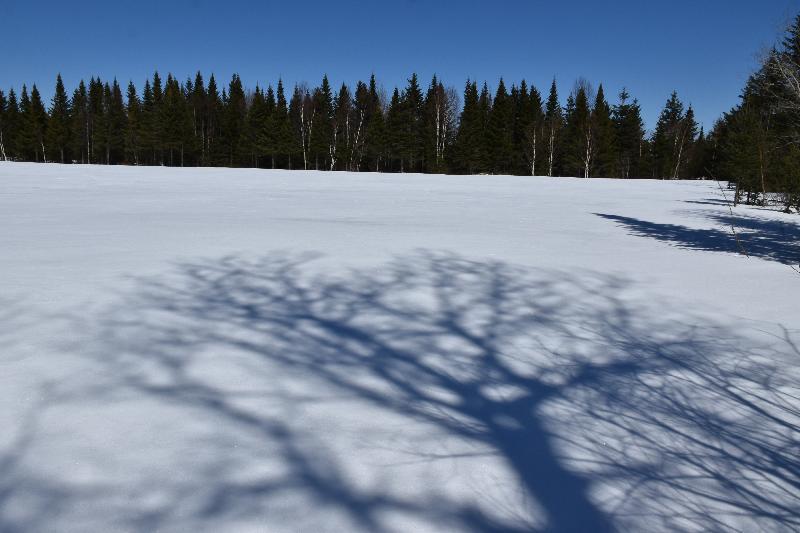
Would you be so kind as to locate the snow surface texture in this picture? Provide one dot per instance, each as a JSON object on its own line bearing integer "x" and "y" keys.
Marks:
{"x": 241, "y": 350}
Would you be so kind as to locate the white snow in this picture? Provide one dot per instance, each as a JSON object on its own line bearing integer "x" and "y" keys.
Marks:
{"x": 245, "y": 350}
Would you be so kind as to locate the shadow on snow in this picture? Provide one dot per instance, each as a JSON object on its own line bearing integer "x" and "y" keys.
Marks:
{"x": 606, "y": 414}
{"x": 774, "y": 240}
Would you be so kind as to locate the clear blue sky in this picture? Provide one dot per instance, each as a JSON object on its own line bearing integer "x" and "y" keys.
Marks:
{"x": 704, "y": 49}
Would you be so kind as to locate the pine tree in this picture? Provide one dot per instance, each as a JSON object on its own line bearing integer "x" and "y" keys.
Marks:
{"x": 629, "y": 133}
{"x": 579, "y": 145}
{"x": 198, "y": 110}
{"x": 148, "y": 126}
{"x": 361, "y": 114}
{"x": 116, "y": 125}
{"x": 153, "y": 112}
{"x": 499, "y": 134}
{"x": 213, "y": 116}
{"x": 96, "y": 122}
{"x": 321, "y": 126}
{"x": 79, "y": 124}
{"x": 554, "y": 123}
{"x": 343, "y": 119}
{"x": 302, "y": 117}
{"x": 375, "y": 141}
{"x": 234, "y": 121}
{"x": 533, "y": 133}
{"x": 132, "y": 130}
{"x": 176, "y": 123}
{"x": 3, "y": 127}
{"x": 470, "y": 154}
{"x": 603, "y": 137}
{"x": 25, "y": 139}
{"x": 282, "y": 129}
{"x": 412, "y": 106}
{"x": 266, "y": 136}
{"x": 256, "y": 123}
{"x": 58, "y": 127}
{"x": 439, "y": 125}
{"x": 669, "y": 139}
{"x": 430, "y": 142}
{"x": 396, "y": 133}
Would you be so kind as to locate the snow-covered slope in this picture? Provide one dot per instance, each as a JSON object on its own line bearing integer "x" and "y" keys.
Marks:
{"x": 242, "y": 350}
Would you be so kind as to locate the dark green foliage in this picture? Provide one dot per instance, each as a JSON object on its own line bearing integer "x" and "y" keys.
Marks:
{"x": 604, "y": 138}
{"x": 9, "y": 126}
{"x": 234, "y": 133}
{"x": 376, "y": 137}
{"x": 554, "y": 124}
{"x": 578, "y": 147}
{"x": 32, "y": 126}
{"x": 319, "y": 118}
{"x": 133, "y": 145}
{"x": 176, "y": 123}
{"x": 629, "y": 135}
{"x": 470, "y": 154}
{"x": 673, "y": 139}
{"x": 755, "y": 145}
{"x": 4, "y": 127}
{"x": 528, "y": 131}
{"x": 79, "y": 124}
{"x": 360, "y": 129}
{"x": 499, "y": 131}
{"x": 58, "y": 126}
{"x": 396, "y": 133}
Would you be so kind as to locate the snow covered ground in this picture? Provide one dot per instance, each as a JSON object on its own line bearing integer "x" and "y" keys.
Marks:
{"x": 242, "y": 350}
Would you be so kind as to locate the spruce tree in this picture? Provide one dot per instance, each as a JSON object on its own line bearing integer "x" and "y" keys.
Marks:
{"x": 396, "y": 133}
{"x": 343, "y": 119}
{"x": 668, "y": 139}
{"x": 197, "y": 109}
{"x": 256, "y": 123}
{"x": 321, "y": 126}
{"x": 96, "y": 122}
{"x": 578, "y": 135}
{"x": 603, "y": 137}
{"x": 3, "y": 127}
{"x": 499, "y": 134}
{"x": 234, "y": 121}
{"x": 155, "y": 127}
{"x": 266, "y": 137}
{"x": 469, "y": 156}
{"x": 375, "y": 141}
{"x": 412, "y": 107}
{"x": 79, "y": 124}
{"x": 12, "y": 125}
{"x": 527, "y": 129}
{"x": 25, "y": 140}
{"x": 176, "y": 123}
{"x": 282, "y": 129}
{"x": 133, "y": 126}
{"x": 629, "y": 134}
{"x": 58, "y": 127}
{"x": 116, "y": 125}
{"x": 554, "y": 123}
{"x": 360, "y": 123}
{"x": 213, "y": 116}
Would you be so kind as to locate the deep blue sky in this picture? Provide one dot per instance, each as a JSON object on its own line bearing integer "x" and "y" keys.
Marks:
{"x": 704, "y": 49}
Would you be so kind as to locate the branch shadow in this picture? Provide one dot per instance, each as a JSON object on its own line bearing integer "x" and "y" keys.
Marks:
{"x": 582, "y": 409}
{"x": 773, "y": 240}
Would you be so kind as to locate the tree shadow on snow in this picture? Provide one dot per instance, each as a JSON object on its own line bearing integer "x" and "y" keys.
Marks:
{"x": 606, "y": 414}
{"x": 774, "y": 240}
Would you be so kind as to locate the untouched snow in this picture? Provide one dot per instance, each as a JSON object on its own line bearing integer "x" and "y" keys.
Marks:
{"x": 242, "y": 350}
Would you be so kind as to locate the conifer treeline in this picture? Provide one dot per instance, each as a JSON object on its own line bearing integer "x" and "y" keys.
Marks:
{"x": 758, "y": 142}
{"x": 513, "y": 131}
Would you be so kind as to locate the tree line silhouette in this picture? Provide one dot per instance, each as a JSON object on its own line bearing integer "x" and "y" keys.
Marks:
{"x": 511, "y": 131}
